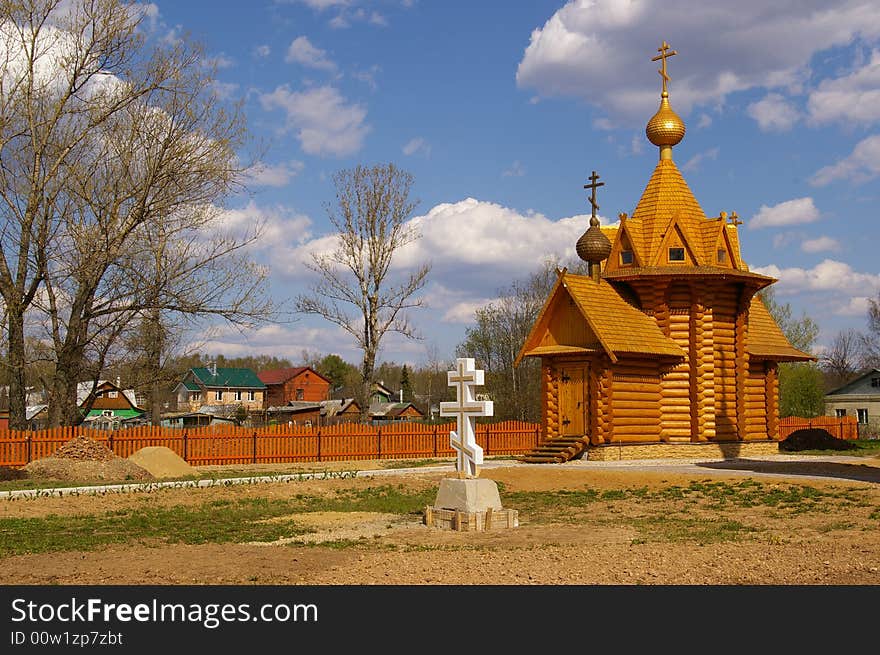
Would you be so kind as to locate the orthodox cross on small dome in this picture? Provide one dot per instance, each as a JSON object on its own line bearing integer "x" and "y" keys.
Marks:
{"x": 664, "y": 55}
{"x": 592, "y": 186}
{"x": 734, "y": 219}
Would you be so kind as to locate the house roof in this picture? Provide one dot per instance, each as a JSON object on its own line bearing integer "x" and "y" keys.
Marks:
{"x": 390, "y": 410}
{"x": 282, "y": 375}
{"x": 765, "y": 338}
{"x": 867, "y": 374}
{"x": 238, "y": 378}
{"x": 191, "y": 386}
{"x": 619, "y": 327}
{"x": 333, "y": 407}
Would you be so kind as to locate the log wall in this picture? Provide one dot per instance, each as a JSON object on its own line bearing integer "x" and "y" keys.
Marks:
{"x": 755, "y": 402}
{"x": 636, "y": 405}
{"x": 550, "y": 394}
{"x": 675, "y": 386}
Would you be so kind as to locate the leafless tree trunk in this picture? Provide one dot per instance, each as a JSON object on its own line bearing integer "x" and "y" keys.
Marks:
{"x": 355, "y": 290}
{"x": 843, "y": 359}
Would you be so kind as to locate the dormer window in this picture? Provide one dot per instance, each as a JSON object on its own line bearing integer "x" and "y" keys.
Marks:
{"x": 875, "y": 382}
{"x": 626, "y": 257}
{"x": 722, "y": 256}
{"x": 676, "y": 254}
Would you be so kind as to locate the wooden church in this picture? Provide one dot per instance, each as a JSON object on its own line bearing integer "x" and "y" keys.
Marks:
{"x": 666, "y": 344}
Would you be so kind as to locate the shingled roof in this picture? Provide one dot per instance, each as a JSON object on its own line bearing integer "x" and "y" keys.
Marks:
{"x": 234, "y": 378}
{"x": 615, "y": 326}
{"x": 766, "y": 340}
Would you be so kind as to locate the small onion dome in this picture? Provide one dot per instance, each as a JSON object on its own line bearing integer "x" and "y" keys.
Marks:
{"x": 665, "y": 127}
{"x": 593, "y": 246}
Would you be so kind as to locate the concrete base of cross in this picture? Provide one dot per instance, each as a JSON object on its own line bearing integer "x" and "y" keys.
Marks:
{"x": 468, "y": 495}
{"x": 470, "y": 504}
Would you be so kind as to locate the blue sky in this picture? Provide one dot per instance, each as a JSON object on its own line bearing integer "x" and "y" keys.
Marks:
{"x": 500, "y": 110}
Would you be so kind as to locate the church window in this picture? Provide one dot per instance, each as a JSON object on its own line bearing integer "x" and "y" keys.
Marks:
{"x": 722, "y": 256}
{"x": 676, "y": 254}
{"x": 875, "y": 382}
{"x": 626, "y": 257}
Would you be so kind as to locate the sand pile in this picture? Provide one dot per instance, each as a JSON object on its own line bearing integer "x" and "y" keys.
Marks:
{"x": 162, "y": 462}
{"x": 85, "y": 460}
{"x": 813, "y": 439}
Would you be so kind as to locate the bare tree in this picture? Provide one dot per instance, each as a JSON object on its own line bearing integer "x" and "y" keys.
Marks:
{"x": 107, "y": 144}
{"x": 843, "y": 359}
{"x": 355, "y": 289}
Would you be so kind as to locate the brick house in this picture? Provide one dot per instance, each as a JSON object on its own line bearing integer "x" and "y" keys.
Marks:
{"x": 298, "y": 384}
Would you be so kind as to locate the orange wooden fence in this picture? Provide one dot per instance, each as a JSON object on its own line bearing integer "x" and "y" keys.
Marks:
{"x": 278, "y": 443}
{"x": 843, "y": 427}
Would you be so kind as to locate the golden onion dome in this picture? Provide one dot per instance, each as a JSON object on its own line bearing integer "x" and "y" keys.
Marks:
{"x": 593, "y": 246}
{"x": 665, "y": 127}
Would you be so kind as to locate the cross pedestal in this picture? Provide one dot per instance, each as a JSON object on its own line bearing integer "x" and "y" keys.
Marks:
{"x": 467, "y": 502}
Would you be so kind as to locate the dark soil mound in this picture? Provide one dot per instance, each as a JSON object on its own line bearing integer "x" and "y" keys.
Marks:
{"x": 10, "y": 473}
{"x": 814, "y": 439}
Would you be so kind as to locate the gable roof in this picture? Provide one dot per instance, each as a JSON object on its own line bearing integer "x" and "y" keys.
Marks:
{"x": 84, "y": 390}
{"x": 239, "y": 378}
{"x": 765, "y": 338}
{"x": 856, "y": 381}
{"x": 619, "y": 327}
{"x": 282, "y": 375}
{"x": 331, "y": 408}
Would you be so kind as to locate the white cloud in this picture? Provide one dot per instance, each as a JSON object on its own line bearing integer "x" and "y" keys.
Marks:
{"x": 828, "y": 275}
{"x": 282, "y": 227}
{"x": 224, "y": 90}
{"x": 855, "y": 306}
{"x": 585, "y": 49}
{"x": 790, "y": 212}
{"x": 321, "y": 5}
{"x": 516, "y": 170}
{"x": 773, "y": 113}
{"x": 262, "y": 174}
{"x": 705, "y": 121}
{"x": 303, "y": 52}
{"x": 475, "y": 247}
{"x": 377, "y": 19}
{"x": 820, "y": 244}
{"x": 221, "y": 61}
{"x": 416, "y": 145}
{"x": 463, "y": 312}
{"x": 325, "y": 123}
{"x": 694, "y": 162}
{"x": 262, "y": 51}
{"x": 861, "y": 165}
{"x": 852, "y": 99}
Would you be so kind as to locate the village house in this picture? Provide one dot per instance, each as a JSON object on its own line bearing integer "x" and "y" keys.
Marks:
{"x": 217, "y": 389}
{"x": 667, "y": 347}
{"x": 108, "y": 403}
{"x": 299, "y": 384}
{"x": 859, "y": 398}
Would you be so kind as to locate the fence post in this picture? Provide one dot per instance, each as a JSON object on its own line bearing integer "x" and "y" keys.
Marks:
{"x": 379, "y": 444}
{"x": 30, "y": 448}
{"x": 319, "y": 444}
{"x": 110, "y": 441}
{"x": 488, "y": 432}
{"x": 255, "y": 447}
{"x": 185, "y": 449}
{"x": 435, "y": 441}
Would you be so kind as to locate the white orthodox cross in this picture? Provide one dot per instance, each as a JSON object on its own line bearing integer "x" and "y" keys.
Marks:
{"x": 466, "y": 409}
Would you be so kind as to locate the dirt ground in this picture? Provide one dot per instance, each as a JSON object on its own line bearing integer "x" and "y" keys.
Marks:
{"x": 606, "y": 542}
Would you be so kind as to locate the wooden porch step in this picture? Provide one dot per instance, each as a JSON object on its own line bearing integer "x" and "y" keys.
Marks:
{"x": 555, "y": 451}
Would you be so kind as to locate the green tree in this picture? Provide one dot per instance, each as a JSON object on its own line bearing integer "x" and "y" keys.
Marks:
{"x": 406, "y": 385}
{"x": 801, "y": 384}
{"x": 337, "y": 370}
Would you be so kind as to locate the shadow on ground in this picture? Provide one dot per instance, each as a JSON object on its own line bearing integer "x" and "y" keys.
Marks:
{"x": 859, "y": 472}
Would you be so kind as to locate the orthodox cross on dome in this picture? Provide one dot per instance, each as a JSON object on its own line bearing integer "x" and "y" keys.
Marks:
{"x": 466, "y": 409}
{"x": 664, "y": 55}
{"x": 734, "y": 219}
{"x": 592, "y": 186}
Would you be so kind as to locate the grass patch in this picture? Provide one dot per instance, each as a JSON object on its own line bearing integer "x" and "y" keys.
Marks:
{"x": 220, "y": 521}
{"x": 703, "y": 531}
{"x": 413, "y": 463}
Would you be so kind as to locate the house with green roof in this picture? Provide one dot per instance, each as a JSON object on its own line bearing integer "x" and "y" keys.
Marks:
{"x": 214, "y": 387}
